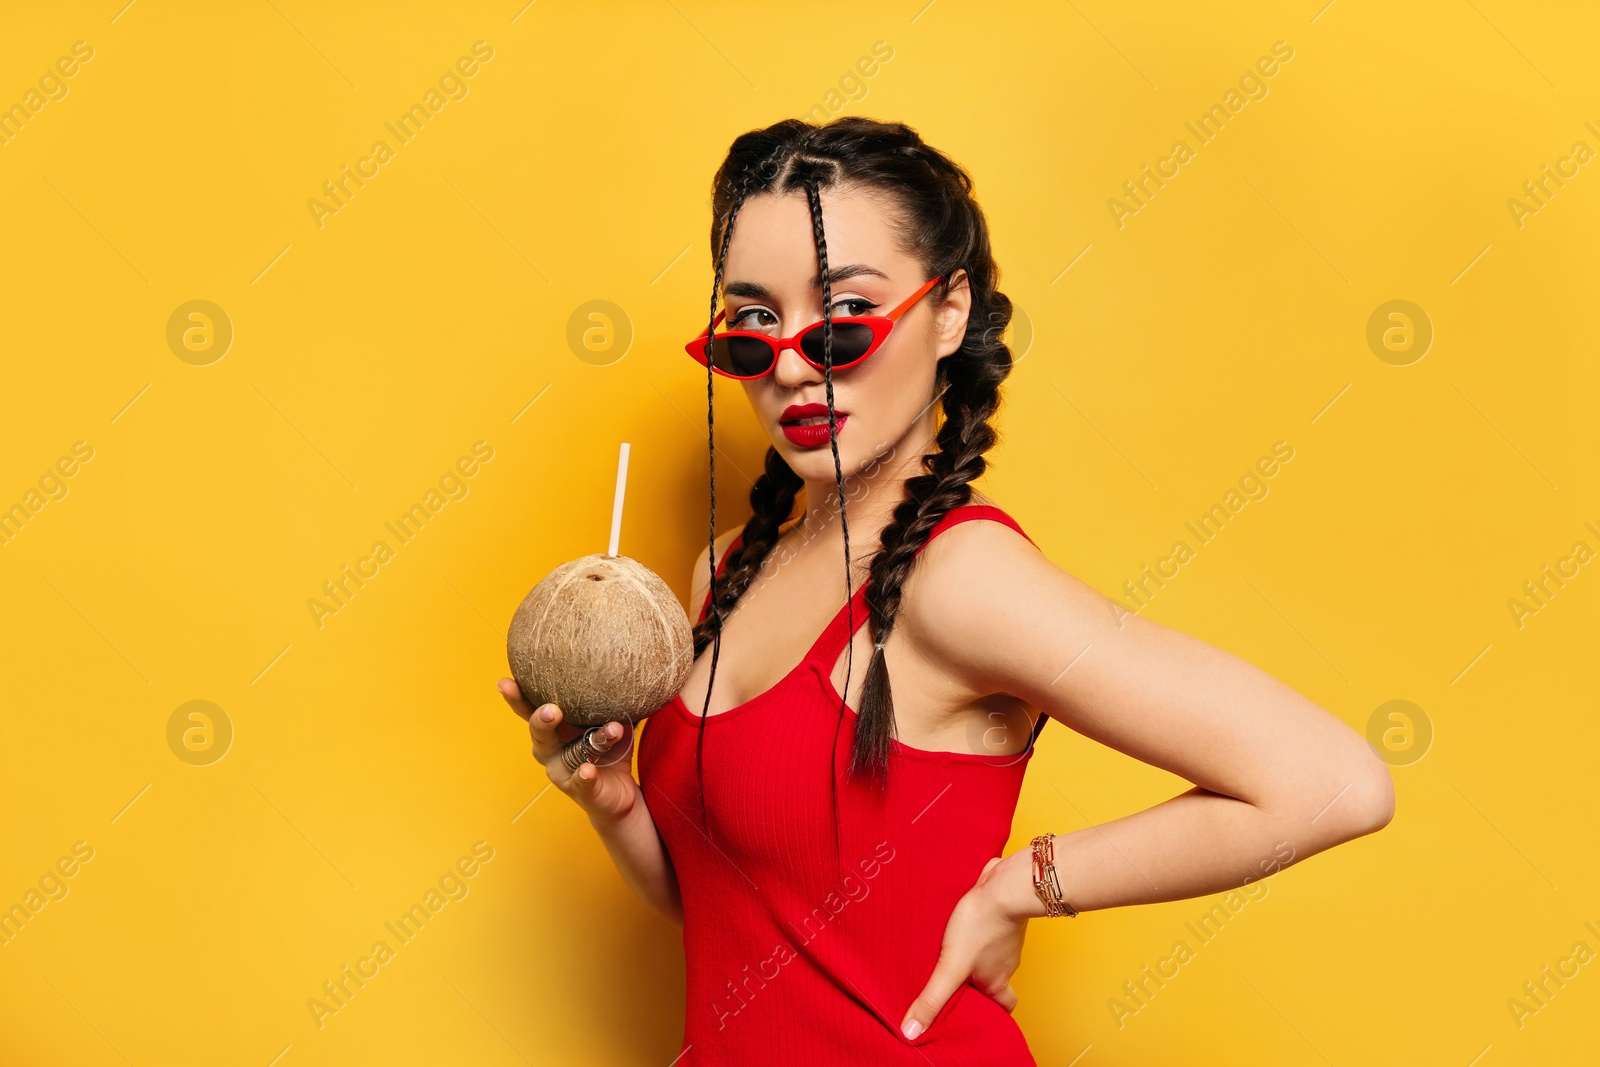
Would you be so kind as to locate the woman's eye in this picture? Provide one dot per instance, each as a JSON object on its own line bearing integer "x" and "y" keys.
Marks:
{"x": 752, "y": 319}
{"x": 855, "y": 306}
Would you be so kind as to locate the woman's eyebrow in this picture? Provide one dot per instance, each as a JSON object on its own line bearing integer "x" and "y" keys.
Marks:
{"x": 757, "y": 291}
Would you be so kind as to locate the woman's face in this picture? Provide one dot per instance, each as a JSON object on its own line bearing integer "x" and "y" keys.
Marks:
{"x": 771, "y": 285}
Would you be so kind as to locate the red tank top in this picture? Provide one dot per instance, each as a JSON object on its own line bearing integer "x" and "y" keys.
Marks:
{"x": 790, "y": 957}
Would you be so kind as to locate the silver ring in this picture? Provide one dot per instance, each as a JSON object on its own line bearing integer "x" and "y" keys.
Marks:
{"x": 581, "y": 750}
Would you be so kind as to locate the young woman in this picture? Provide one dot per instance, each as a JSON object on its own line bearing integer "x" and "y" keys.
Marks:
{"x": 835, "y": 862}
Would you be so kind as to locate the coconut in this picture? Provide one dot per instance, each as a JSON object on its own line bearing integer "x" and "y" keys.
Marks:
{"x": 603, "y": 638}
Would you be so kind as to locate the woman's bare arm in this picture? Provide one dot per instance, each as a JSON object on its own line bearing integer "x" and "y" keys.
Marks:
{"x": 642, "y": 859}
{"x": 1277, "y": 778}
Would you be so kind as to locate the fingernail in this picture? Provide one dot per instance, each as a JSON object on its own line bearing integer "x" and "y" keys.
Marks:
{"x": 911, "y": 1029}
{"x": 547, "y": 713}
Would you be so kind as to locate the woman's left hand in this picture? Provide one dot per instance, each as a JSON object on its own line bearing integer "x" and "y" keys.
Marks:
{"x": 982, "y": 944}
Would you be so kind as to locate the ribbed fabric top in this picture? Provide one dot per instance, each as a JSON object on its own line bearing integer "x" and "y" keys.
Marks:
{"x": 792, "y": 957}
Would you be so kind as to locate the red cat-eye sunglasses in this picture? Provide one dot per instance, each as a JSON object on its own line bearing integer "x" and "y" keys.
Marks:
{"x": 746, "y": 355}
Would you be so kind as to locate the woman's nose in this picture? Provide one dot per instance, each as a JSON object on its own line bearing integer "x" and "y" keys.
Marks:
{"x": 793, "y": 371}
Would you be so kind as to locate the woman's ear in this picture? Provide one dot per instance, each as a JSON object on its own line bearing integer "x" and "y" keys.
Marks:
{"x": 950, "y": 321}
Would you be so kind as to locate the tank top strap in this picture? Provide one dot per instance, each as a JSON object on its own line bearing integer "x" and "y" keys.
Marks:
{"x": 833, "y": 638}
{"x": 722, "y": 567}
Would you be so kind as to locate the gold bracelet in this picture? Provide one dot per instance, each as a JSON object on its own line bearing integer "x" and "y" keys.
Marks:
{"x": 1045, "y": 882}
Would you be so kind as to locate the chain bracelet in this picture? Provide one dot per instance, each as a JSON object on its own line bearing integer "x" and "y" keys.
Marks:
{"x": 1045, "y": 882}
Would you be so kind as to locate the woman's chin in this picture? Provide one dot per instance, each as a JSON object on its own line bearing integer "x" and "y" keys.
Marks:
{"x": 809, "y": 463}
{"x": 816, "y": 464}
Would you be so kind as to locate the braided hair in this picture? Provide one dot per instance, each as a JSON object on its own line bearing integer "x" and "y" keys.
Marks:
{"x": 937, "y": 220}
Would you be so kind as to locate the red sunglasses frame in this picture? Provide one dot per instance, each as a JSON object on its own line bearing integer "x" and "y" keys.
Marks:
{"x": 880, "y": 325}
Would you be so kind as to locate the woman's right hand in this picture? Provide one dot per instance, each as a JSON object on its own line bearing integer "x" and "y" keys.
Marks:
{"x": 606, "y": 790}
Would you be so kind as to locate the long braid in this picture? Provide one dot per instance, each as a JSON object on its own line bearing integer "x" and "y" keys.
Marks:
{"x": 970, "y": 398}
{"x": 711, "y": 462}
{"x": 815, "y": 203}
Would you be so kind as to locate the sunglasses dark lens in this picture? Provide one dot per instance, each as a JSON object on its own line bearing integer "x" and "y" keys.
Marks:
{"x": 744, "y": 356}
{"x": 851, "y": 340}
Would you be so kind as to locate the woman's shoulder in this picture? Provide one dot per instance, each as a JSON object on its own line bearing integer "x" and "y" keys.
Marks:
{"x": 983, "y": 554}
{"x": 979, "y": 587}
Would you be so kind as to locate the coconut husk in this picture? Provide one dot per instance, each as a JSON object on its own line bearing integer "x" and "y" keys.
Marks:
{"x": 603, "y": 638}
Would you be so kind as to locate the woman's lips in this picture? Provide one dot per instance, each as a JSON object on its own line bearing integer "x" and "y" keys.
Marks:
{"x": 811, "y": 433}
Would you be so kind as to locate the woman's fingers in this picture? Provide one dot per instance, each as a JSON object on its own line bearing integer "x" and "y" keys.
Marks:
{"x": 582, "y": 782}
{"x": 593, "y": 785}
{"x": 604, "y": 788}
{"x": 608, "y": 794}
{"x": 600, "y": 739}
{"x": 1007, "y": 998}
{"x": 948, "y": 974}
{"x": 544, "y": 726}
{"x": 544, "y": 722}
{"x": 551, "y": 734}
{"x": 513, "y": 696}
{"x": 607, "y": 741}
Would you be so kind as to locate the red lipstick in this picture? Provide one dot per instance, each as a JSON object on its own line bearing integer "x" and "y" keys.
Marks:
{"x": 802, "y": 426}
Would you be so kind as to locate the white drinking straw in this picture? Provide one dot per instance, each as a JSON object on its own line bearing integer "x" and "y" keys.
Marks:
{"x": 616, "y": 505}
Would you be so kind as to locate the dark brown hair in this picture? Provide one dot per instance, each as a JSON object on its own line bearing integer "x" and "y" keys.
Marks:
{"x": 936, "y": 220}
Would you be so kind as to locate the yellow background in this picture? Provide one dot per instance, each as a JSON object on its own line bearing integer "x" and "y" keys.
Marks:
{"x": 369, "y": 354}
